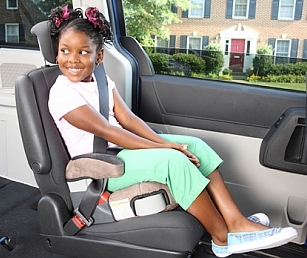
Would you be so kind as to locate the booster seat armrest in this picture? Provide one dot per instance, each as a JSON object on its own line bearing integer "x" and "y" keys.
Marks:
{"x": 95, "y": 166}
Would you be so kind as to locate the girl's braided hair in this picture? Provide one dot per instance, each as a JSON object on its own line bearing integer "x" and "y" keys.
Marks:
{"x": 94, "y": 25}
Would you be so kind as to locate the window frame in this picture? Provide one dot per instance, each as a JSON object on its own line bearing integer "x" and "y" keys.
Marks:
{"x": 11, "y": 8}
{"x": 282, "y": 56}
{"x": 202, "y": 10}
{"x": 293, "y": 11}
{"x": 6, "y": 33}
{"x": 195, "y": 37}
{"x": 157, "y": 39}
{"x": 234, "y": 9}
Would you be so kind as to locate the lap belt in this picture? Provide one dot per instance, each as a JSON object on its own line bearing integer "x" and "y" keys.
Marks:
{"x": 83, "y": 213}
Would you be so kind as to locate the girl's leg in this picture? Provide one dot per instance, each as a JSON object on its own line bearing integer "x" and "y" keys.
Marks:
{"x": 205, "y": 211}
{"x": 222, "y": 199}
{"x": 216, "y": 189}
{"x": 185, "y": 182}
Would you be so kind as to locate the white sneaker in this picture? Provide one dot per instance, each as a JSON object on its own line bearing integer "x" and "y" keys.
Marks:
{"x": 222, "y": 251}
{"x": 242, "y": 242}
{"x": 260, "y": 218}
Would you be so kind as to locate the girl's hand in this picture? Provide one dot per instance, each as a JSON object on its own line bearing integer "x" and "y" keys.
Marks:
{"x": 191, "y": 156}
{"x": 184, "y": 149}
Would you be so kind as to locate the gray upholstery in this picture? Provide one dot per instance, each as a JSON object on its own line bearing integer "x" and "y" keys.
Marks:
{"x": 42, "y": 31}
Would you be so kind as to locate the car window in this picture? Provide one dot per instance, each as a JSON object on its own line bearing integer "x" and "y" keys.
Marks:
{"x": 244, "y": 41}
{"x": 18, "y": 17}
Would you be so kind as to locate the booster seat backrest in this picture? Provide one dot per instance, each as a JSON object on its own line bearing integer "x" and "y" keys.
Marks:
{"x": 45, "y": 41}
{"x": 46, "y": 153}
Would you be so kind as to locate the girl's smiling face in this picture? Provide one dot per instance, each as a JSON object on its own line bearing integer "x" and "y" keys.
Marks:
{"x": 78, "y": 56}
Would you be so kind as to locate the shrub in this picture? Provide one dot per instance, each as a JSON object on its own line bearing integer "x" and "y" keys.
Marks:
{"x": 188, "y": 63}
{"x": 227, "y": 71}
{"x": 227, "y": 77}
{"x": 299, "y": 68}
{"x": 249, "y": 72}
{"x": 160, "y": 62}
{"x": 214, "y": 58}
{"x": 263, "y": 60}
{"x": 254, "y": 78}
{"x": 285, "y": 78}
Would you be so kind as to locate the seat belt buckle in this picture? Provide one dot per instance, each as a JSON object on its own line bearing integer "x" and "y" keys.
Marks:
{"x": 87, "y": 222}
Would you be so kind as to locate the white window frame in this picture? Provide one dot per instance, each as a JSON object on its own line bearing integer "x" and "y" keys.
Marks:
{"x": 194, "y": 37}
{"x": 6, "y": 32}
{"x": 11, "y": 8}
{"x": 286, "y": 5}
{"x": 201, "y": 7}
{"x": 234, "y": 9}
{"x": 157, "y": 39}
{"x": 289, "y": 49}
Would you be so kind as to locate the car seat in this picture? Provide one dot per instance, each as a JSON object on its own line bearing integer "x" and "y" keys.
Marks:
{"x": 166, "y": 234}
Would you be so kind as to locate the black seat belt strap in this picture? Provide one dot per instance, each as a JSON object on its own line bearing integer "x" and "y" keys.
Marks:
{"x": 83, "y": 213}
{"x": 100, "y": 144}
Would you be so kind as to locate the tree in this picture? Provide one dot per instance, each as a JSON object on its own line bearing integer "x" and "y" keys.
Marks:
{"x": 145, "y": 18}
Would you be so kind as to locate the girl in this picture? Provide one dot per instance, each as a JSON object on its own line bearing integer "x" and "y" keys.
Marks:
{"x": 186, "y": 164}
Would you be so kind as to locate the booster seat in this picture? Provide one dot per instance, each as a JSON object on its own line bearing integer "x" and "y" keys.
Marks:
{"x": 166, "y": 234}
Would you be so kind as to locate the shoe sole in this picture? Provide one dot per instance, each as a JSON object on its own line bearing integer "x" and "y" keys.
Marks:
{"x": 285, "y": 236}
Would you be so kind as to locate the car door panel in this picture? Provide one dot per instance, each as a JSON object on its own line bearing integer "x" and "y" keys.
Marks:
{"x": 213, "y": 105}
{"x": 236, "y": 121}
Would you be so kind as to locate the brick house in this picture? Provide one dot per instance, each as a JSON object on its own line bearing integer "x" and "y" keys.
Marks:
{"x": 16, "y": 19}
{"x": 239, "y": 26}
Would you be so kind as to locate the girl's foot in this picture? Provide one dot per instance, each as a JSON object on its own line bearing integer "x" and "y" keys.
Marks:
{"x": 242, "y": 242}
{"x": 222, "y": 251}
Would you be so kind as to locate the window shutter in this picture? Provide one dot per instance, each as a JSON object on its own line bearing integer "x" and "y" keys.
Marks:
{"x": 185, "y": 14}
{"x": 252, "y": 9}
{"x": 205, "y": 41}
{"x": 207, "y": 10}
{"x": 172, "y": 41}
{"x": 229, "y": 9}
{"x": 173, "y": 8}
{"x": 2, "y": 33}
{"x": 183, "y": 42}
{"x": 305, "y": 49}
{"x": 271, "y": 42}
{"x": 294, "y": 47}
{"x": 275, "y": 6}
{"x": 21, "y": 34}
{"x": 298, "y": 10}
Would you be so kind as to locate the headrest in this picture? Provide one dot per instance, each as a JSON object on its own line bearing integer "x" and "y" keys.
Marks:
{"x": 46, "y": 42}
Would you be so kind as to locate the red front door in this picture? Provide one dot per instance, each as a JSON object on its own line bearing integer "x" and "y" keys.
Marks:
{"x": 237, "y": 55}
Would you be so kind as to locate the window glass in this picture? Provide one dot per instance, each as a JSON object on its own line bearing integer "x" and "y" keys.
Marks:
{"x": 161, "y": 42}
{"x": 19, "y": 16}
{"x": 12, "y": 33}
{"x": 286, "y": 10}
{"x": 257, "y": 50}
{"x": 240, "y": 8}
{"x": 194, "y": 43}
{"x": 282, "y": 51}
{"x": 197, "y": 9}
{"x": 11, "y": 4}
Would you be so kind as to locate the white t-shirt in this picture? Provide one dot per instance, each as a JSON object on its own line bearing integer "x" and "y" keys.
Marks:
{"x": 66, "y": 96}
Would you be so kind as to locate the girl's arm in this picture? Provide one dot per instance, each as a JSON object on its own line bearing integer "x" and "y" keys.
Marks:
{"x": 88, "y": 119}
{"x": 134, "y": 124}
{"x": 140, "y": 137}
{"x": 131, "y": 122}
